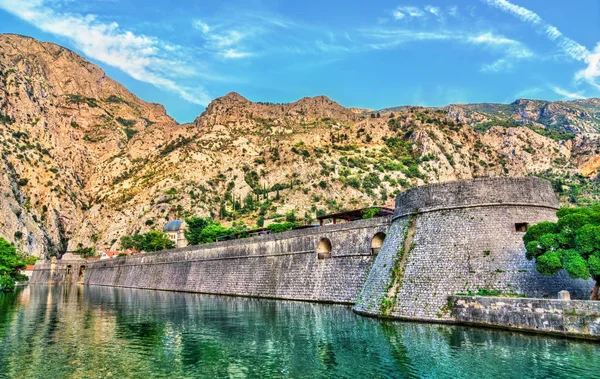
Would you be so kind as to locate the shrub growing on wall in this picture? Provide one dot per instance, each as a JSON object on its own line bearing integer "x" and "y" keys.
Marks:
{"x": 281, "y": 227}
{"x": 571, "y": 244}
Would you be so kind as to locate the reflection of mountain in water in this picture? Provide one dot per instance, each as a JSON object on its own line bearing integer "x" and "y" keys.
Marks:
{"x": 79, "y": 332}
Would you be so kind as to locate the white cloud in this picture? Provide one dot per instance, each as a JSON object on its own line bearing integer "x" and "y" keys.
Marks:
{"x": 410, "y": 12}
{"x": 566, "y": 94}
{"x": 433, "y": 10}
{"x": 398, "y": 15}
{"x": 510, "y": 47}
{"x": 592, "y": 71}
{"x": 510, "y": 50}
{"x": 407, "y": 11}
{"x": 201, "y": 26}
{"x": 144, "y": 58}
{"x": 234, "y": 54}
{"x": 572, "y": 48}
{"x": 227, "y": 44}
{"x": 499, "y": 65}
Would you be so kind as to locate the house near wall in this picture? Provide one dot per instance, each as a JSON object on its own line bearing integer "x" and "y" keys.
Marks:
{"x": 174, "y": 229}
{"x": 354, "y": 215}
{"x": 109, "y": 254}
{"x": 28, "y": 271}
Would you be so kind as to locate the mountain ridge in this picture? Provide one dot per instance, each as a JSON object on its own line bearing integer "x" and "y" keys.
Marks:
{"x": 84, "y": 161}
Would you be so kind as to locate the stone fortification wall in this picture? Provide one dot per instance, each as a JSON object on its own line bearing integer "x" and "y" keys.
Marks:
{"x": 458, "y": 237}
{"x": 572, "y": 318}
{"x": 284, "y": 265}
{"x": 70, "y": 269}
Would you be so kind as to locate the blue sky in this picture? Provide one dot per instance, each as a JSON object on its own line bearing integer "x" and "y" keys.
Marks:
{"x": 370, "y": 54}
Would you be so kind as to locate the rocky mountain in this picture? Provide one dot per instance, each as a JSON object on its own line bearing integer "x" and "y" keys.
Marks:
{"x": 84, "y": 161}
{"x": 575, "y": 116}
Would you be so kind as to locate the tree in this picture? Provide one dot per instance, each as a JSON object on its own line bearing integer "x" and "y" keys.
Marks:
{"x": 205, "y": 230}
{"x": 135, "y": 242}
{"x": 10, "y": 265}
{"x": 571, "y": 244}
{"x": 153, "y": 240}
{"x": 85, "y": 252}
{"x": 214, "y": 231}
{"x": 195, "y": 225}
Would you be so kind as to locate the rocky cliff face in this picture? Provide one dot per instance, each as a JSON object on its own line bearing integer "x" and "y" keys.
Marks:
{"x": 84, "y": 161}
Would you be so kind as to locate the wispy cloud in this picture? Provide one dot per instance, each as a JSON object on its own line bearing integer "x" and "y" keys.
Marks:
{"x": 572, "y": 48}
{"x": 407, "y": 11}
{"x": 225, "y": 43}
{"x": 566, "y": 94}
{"x": 511, "y": 49}
{"x": 434, "y": 11}
{"x": 508, "y": 49}
{"x": 143, "y": 57}
{"x": 412, "y": 12}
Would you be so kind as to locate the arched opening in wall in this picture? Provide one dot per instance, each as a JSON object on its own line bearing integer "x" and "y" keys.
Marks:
{"x": 68, "y": 271}
{"x": 81, "y": 272}
{"x": 324, "y": 249}
{"x": 377, "y": 242}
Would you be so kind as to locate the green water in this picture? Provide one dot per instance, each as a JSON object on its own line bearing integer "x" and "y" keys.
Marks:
{"x": 100, "y": 332}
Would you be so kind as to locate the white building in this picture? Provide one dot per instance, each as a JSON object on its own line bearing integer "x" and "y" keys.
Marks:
{"x": 174, "y": 230}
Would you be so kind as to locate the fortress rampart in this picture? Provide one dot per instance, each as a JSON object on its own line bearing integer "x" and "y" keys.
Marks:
{"x": 443, "y": 239}
{"x": 459, "y": 237}
{"x": 328, "y": 264}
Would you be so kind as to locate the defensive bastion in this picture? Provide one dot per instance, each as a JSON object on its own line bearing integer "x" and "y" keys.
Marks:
{"x": 444, "y": 239}
{"x": 459, "y": 237}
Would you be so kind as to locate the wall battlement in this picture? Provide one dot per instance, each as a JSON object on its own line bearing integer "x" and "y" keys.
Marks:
{"x": 533, "y": 192}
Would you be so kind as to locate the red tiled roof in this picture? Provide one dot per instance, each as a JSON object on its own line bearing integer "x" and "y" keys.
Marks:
{"x": 29, "y": 268}
{"x": 111, "y": 253}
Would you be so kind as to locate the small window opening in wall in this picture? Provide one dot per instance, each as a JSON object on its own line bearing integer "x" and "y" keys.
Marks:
{"x": 521, "y": 227}
{"x": 324, "y": 249}
{"x": 376, "y": 243}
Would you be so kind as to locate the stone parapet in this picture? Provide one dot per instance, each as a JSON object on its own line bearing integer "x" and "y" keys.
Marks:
{"x": 481, "y": 192}
{"x": 569, "y": 318}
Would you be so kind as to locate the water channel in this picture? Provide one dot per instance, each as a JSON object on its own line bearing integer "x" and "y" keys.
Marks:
{"x": 100, "y": 332}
